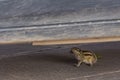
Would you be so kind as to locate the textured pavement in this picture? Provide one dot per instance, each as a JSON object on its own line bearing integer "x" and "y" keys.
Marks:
{"x": 26, "y": 62}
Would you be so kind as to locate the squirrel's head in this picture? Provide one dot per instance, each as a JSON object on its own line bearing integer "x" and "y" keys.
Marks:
{"x": 75, "y": 49}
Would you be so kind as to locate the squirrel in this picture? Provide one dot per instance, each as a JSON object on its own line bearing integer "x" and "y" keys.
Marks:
{"x": 84, "y": 56}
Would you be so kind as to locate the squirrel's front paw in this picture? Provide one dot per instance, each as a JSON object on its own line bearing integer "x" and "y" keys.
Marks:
{"x": 76, "y": 65}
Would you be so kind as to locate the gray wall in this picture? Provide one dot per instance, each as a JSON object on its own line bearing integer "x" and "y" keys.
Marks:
{"x": 27, "y": 20}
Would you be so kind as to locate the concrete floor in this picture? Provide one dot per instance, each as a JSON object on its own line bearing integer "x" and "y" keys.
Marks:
{"x": 26, "y": 62}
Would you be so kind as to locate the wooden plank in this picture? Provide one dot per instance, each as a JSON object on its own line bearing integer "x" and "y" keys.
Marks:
{"x": 76, "y": 41}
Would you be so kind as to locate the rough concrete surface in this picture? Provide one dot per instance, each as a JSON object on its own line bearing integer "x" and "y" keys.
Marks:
{"x": 26, "y": 62}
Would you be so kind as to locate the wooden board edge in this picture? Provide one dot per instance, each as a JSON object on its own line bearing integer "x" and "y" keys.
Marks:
{"x": 65, "y": 41}
{"x": 76, "y": 41}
